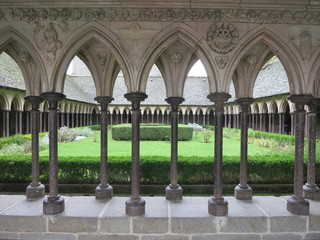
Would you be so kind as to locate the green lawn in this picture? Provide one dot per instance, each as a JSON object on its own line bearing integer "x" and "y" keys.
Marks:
{"x": 196, "y": 147}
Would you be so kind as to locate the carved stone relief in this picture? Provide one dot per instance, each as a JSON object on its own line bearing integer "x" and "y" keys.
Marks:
{"x": 142, "y": 14}
{"x": 47, "y": 40}
{"x": 24, "y": 57}
{"x": 305, "y": 45}
{"x": 176, "y": 58}
{"x": 222, "y": 37}
{"x": 251, "y": 59}
{"x": 222, "y": 61}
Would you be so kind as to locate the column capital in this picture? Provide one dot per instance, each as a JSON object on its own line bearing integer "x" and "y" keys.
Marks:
{"x": 136, "y": 98}
{"x": 34, "y": 101}
{"x": 174, "y": 102}
{"x": 313, "y": 104}
{"x": 104, "y": 101}
{"x": 300, "y": 100}
{"x": 244, "y": 103}
{"x": 53, "y": 98}
{"x": 219, "y": 98}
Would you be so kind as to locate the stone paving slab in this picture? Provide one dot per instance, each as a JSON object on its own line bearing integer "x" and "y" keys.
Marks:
{"x": 8, "y": 200}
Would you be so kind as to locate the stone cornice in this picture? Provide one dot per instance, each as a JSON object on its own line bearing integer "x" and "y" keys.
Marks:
{"x": 161, "y": 15}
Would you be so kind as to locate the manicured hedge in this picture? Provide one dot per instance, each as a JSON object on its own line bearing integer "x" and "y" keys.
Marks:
{"x": 151, "y": 132}
{"x": 280, "y": 138}
{"x": 153, "y": 170}
{"x": 17, "y": 139}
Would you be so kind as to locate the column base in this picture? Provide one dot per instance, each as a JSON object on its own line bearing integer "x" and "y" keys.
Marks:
{"x": 135, "y": 207}
{"x": 311, "y": 192}
{"x": 243, "y": 193}
{"x": 104, "y": 193}
{"x": 52, "y": 207}
{"x": 174, "y": 194}
{"x": 297, "y": 207}
{"x": 35, "y": 192}
{"x": 217, "y": 207}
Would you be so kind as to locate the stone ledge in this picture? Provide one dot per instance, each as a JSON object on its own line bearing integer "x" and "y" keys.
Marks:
{"x": 263, "y": 218}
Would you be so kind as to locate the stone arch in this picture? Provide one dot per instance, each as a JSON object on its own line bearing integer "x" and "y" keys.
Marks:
{"x": 17, "y": 45}
{"x": 185, "y": 34}
{"x": 80, "y": 38}
{"x": 280, "y": 46}
{"x": 314, "y": 79}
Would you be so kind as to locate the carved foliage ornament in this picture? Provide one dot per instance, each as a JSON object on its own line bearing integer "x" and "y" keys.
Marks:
{"x": 222, "y": 61}
{"x": 176, "y": 58}
{"x": 222, "y": 37}
{"x": 149, "y": 14}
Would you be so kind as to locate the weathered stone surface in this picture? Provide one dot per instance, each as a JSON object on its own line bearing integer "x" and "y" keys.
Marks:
{"x": 166, "y": 237}
{"x": 193, "y": 225}
{"x": 277, "y": 208}
{"x": 288, "y": 224}
{"x": 314, "y": 223}
{"x": 26, "y": 208}
{"x": 48, "y": 236}
{"x": 115, "y": 225}
{"x": 78, "y": 207}
{"x": 150, "y": 225}
{"x": 72, "y": 224}
{"x": 227, "y": 237}
{"x": 107, "y": 237}
{"x": 11, "y": 236}
{"x": 312, "y": 236}
{"x": 9, "y": 200}
{"x": 115, "y": 208}
{"x": 196, "y": 207}
{"x": 22, "y": 224}
{"x": 282, "y": 236}
{"x": 242, "y": 224}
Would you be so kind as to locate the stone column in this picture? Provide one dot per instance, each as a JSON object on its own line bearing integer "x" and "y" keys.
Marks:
{"x": 135, "y": 206}
{"x": 293, "y": 127}
{"x": 19, "y": 114}
{"x": 311, "y": 190}
{"x": 35, "y": 190}
{"x": 7, "y": 122}
{"x": 217, "y": 205}
{"x": 281, "y": 123}
{"x": 271, "y": 123}
{"x": 54, "y": 204}
{"x": 297, "y": 204}
{"x": 104, "y": 191}
{"x": 174, "y": 191}
{"x": 243, "y": 191}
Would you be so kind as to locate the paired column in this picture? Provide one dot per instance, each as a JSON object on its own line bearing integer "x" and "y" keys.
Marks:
{"x": 296, "y": 204}
{"x": 311, "y": 191}
{"x": 174, "y": 191}
{"x": 217, "y": 205}
{"x": 104, "y": 191}
{"x": 54, "y": 204}
{"x": 135, "y": 206}
{"x": 35, "y": 190}
{"x": 243, "y": 191}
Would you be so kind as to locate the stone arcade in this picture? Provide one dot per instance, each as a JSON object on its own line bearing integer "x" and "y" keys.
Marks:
{"x": 233, "y": 40}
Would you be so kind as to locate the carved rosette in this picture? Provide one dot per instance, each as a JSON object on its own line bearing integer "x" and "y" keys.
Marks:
{"x": 222, "y": 37}
{"x": 176, "y": 58}
{"x": 222, "y": 61}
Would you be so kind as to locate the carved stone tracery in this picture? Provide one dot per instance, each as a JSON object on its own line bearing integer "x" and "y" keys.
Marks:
{"x": 222, "y": 61}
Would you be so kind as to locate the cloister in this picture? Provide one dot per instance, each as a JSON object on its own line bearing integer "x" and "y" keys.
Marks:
{"x": 233, "y": 40}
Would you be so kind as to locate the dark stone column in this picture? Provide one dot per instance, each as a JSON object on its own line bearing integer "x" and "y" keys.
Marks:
{"x": 217, "y": 205}
{"x": 19, "y": 115}
{"x": 104, "y": 191}
{"x": 271, "y": 123}
{"x": 311, "y": 190}
{"x": 174, "y": 191}
{"x": 293, "y": 127}
{"x": 135, "y": 206}
{"x": 35, "y": 189}
{"x": 297, "y": 204}
{"x": 54, "y": 204}
{"x": 281, "y": 123}
{"x": 62, "y": 116}
{"x": 243, "y": 191}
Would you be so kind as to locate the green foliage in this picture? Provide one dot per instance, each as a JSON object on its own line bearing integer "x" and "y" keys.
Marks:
{"x": 151, "y": 132}
{"x": 280, "y": 138}
{"x": 12, "y": 149}
{"x": 86, "y": 132}
{"x": 153, "y": 170}
{"x": 208, "y": 127}
{"x": 66, "y": 134}
{"x": 95, "y": 136}
{"x": 207, "y": 134}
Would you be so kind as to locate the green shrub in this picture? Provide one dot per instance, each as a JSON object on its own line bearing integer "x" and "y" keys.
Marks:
{"x": 12, "y": 149}
{"x": 207, "y": 134}
{"x": 151, "y": 132}
{"x": 66, "y": 134}
{"x": 86, "y": 132}
{"x": 153, "y": 170}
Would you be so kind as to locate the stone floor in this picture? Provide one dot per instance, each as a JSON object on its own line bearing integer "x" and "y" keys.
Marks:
{"x": 263, "y": 218}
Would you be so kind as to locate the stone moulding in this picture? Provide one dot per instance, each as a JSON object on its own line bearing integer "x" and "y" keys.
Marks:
{"x": 149, "y": 14}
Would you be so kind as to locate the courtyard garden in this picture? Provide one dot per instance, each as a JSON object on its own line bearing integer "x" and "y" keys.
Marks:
{"x": 270, "y": 156}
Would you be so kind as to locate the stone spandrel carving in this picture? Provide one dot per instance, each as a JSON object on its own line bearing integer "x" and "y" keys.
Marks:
{"x": 251, "y": 59}
{"x": 47, "y": 41}
{"x": 176, "y": 58}
{"x": 24, "y": 57}
{"x": 305, "y": 45}
{"x": 158, "y": 14}
{"x": 222, "y": 37}
{"x": 222, "y": 61}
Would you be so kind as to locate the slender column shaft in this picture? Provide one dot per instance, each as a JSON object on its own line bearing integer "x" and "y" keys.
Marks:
{"x": 35, "y": 189}
{"x": 217, "y": 206}
{"x": 54, "y": 204}
{"x": 243, "y": 191}
{"x": 135, "y": 206}
{"x": 104, "y": 191}
{"x": 297, "y": 204}
{"x": 174, "y": 191}
{"x": 311, "y": 190}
